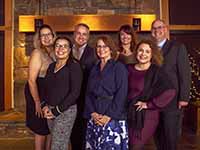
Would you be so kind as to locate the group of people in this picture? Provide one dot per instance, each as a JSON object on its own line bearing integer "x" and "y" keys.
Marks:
{"x": 108, "y": 97}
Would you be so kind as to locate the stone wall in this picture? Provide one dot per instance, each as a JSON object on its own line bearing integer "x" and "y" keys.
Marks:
{"x": 65, "y": 7}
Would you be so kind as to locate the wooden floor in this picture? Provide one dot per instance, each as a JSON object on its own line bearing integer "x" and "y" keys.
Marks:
{"x": 188, "y": 141}
{"x": 15, "y": 136}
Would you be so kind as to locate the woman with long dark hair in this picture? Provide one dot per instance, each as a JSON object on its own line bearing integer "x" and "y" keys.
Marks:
{"x": 127, "y": 44}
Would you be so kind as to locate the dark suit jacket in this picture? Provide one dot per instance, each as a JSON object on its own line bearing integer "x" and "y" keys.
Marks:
{"x": 176, "y": 65}
{"x": 87, "y": 61}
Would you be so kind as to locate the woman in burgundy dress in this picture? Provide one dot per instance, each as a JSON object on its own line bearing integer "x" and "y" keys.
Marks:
{"x": 149, "y": 90}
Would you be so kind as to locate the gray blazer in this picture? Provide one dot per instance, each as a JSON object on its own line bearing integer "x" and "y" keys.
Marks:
{"x": 176, "y": 65}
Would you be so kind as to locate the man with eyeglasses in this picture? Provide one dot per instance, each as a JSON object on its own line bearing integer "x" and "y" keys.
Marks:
{"x": 87, "y": 58}
{"x": 176, "y": 65}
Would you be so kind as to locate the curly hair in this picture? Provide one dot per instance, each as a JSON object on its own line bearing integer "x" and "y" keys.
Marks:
{"x": 157, "y": 57}
{"x": 110, "y": 43}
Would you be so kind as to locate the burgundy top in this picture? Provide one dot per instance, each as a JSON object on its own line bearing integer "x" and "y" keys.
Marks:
{"x": 136, "y": 85}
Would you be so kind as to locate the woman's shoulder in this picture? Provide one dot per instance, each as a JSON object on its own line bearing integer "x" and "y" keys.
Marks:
{"x": 131, "y": 66}
{"x": 36, "y": 55}
{"x": 120, "y": 67}
{"x": 73, "y": 63}
{"x": 36, "y": 52}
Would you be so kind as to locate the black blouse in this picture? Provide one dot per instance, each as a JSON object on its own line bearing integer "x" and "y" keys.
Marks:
{"x": 62, "y": 88}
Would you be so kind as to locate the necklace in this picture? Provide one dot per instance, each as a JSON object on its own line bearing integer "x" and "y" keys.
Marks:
{"x": 58, "y": 67}
{"x": 142, "y": 67}
{"x": 126, "y": 52}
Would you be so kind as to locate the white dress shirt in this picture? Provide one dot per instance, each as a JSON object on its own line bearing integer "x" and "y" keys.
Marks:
{"x": 78, "y": 52}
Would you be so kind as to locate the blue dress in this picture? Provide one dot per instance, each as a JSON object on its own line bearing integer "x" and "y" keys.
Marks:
{"x": 106, "y": 94}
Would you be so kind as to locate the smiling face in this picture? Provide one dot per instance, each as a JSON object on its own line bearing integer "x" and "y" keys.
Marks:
{"x": 81, "y": 35}
{"x": 103, "y": 51}
{"x": 159, "y": 30}
{"x": 144, "y": 54}
{"x": 62, "y": 49}
{"x": 125, "y": 38}
{"x": 46, "y": 37}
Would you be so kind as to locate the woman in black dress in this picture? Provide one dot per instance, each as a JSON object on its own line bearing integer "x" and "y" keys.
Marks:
{"x": 40, "y": 59}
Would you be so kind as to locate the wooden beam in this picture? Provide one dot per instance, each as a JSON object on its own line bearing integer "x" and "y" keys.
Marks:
{"x": 184, "y": 27}
{"x": 95, "y": 22}
{"x": 8, "y": 56}
{"x": 2, "y": 28}
{"x": 164, "y": 10}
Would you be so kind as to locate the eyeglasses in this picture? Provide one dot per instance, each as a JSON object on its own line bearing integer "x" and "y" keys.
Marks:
{"x": 102, "y": 46}
{"x": 46, "y": 35}
{"x": 158, "y": 27}
{"x": 62, "y": 46}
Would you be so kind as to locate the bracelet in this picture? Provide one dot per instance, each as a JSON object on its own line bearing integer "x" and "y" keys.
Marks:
{"x": 58, "y": 110}
{"x": 42, "y": 104}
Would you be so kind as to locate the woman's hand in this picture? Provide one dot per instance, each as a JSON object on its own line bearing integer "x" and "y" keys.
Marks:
{"x": 38, "y": 110}
{"x": 104, "y": 119}
{"x": 45, "y": 110}
{"x": 96, "y": 118}
{"x": 141, "y": 105}
{"x": 48, "y": 113}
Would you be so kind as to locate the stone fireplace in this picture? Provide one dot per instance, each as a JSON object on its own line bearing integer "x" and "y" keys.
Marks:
{"x": 23, "y": 40}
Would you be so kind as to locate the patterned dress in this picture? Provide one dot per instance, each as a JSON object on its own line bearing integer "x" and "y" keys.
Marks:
{"x": 112, "y": 136}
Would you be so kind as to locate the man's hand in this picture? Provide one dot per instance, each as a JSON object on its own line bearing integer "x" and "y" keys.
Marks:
{"x": 182, "y": 104}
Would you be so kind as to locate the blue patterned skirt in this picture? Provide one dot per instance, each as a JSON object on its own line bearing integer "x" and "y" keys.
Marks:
{"x": 112, "y": 136}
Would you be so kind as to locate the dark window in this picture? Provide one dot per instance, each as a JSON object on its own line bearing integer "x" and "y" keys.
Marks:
{"x": 1, "y": 70}
{"x": 2, "y": 13}
{"x": 184, "y": 12}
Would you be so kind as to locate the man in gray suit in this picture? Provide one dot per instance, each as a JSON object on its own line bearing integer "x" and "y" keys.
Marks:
{"x": 87, "y": 58}
{"x": 176, "y": 65}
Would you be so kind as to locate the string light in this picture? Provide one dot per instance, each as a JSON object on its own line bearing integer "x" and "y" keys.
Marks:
{"x": 195, "y": 71}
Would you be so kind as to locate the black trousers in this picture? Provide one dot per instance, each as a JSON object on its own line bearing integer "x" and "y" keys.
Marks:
{"x": 169, "y": 130}
{"x": 78, "y": 133}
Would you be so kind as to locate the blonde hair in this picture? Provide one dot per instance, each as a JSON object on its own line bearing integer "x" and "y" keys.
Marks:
{"x": 36, "y": 39}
